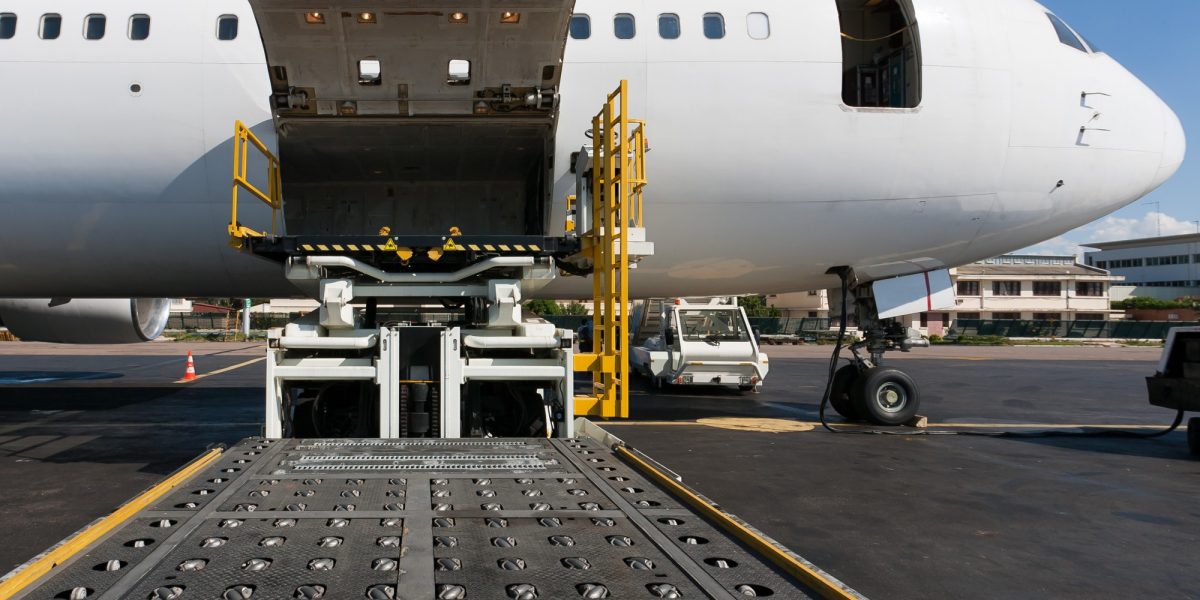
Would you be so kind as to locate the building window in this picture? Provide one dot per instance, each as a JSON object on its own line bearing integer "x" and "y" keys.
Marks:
{"x": 51, "y": 26}
{"x": 812, "y": 314}
{"x": 881, "y": 54}
{"x": 1065, "y": 34}
{"x": 1102, "y": 264}
{"x": 227, "y": 26}
{"x": 1006, "y": 288}
{"x": 93, "y": 27}
{"x": 1047, "y": 316}
{"x": 924, "y": 319}
{"x": 1047, "y": 288}
{"x": 1006, "y": 316}
{"x": 968, "y": 316}
{"x": 1093, "y": 289}
{"x": 624, "y": 26}
{"x": 1089, "y": 317}
{"x": 581, "y": 27}
{"x": 968, "y": 288}
{"x": 8, "y": 25}
{"x": 758, "y": 26}
{"x": 139, "y": 27}
{"x": 668, "y": 26}
{"x": 714, "y": 26}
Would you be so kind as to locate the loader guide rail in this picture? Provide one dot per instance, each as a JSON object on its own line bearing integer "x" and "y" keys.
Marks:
{"x": 401, "y": 249}
{"x": 587, "y": 525}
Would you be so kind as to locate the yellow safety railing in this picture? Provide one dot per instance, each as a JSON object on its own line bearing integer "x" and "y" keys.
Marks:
{"x": 243, "y": 139}
{"x": 618, "y": 176}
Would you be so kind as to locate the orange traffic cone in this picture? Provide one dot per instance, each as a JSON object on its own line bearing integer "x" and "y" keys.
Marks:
{"x": 190, "y": 373}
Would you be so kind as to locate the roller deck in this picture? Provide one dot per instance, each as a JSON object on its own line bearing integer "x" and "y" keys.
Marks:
{"x": 368, "y": 518}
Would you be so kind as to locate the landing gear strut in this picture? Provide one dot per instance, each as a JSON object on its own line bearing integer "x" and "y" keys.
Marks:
{"x": 865, "y": 389}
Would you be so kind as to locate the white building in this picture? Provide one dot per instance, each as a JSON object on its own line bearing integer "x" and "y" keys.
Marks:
{"x": 1009, "y": 287}
{"x": 1161, "y": 267}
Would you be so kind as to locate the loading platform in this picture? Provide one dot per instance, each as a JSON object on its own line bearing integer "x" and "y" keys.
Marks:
{"x": 446, "y": 519}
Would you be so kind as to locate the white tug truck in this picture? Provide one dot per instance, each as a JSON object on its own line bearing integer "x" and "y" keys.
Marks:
{"x": 708, "y": 343}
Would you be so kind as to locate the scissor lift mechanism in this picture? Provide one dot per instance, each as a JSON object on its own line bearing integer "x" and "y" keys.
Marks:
{"x": 432, "y": 380}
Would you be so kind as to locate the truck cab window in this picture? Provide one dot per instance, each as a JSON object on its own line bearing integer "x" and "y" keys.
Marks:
{"x": 881, "y": 54}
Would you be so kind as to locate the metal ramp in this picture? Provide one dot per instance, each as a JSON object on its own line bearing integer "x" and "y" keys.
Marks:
{"x": 576, "y": 519}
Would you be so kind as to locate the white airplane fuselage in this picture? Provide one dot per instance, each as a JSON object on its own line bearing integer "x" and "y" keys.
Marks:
{"x": 115, "y": 166}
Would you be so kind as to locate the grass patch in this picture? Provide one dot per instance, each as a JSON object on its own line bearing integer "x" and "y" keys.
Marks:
{"x": 974, "y": 340}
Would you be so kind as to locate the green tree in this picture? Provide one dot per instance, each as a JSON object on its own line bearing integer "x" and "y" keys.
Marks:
{"x": 543, "y": 308}
{"x": 575, "y": 309}
{"x": 755, "y": 305}
{"x": 1143, "y": 302}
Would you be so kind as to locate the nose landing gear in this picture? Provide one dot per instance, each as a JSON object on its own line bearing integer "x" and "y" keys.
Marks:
{"x": 865, "y": 390}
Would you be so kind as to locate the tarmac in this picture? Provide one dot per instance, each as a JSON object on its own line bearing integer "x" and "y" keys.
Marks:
{"x": 84, "y": 428}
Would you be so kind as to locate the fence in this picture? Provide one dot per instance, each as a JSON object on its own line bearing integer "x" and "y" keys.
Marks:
{"x": 1123, "y": 330}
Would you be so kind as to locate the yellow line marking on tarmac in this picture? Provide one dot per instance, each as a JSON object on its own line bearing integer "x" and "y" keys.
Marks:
{"x": 29, "y": 573}
{"x": 789, "y": 425}
{"x": 225, "y": 370}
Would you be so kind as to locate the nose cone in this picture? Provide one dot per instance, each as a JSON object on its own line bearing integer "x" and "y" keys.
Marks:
{"x": 1174, "y": 147}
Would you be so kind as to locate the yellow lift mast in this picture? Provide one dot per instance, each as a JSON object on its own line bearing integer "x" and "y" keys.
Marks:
{"x": 618, "y": 177}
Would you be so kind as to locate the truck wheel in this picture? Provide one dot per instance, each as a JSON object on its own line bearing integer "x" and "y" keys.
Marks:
{"x": 1194, "y": 436}
{"x": 886, "y": 396}
{"x": 839, "y": 392}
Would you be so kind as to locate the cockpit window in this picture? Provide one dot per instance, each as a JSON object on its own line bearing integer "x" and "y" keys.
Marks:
{"x": 1065, "y": 34}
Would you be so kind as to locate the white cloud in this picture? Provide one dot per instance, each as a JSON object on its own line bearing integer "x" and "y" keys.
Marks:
{"x": 1111, "y": 229}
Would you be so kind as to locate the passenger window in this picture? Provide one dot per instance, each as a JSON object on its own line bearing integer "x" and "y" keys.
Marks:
{"x": 227, "y": 26}
{"x": 624, "y": 27}
{"x": 139, "y": 27}
{"x": 51, "y": 26}
{"x": 714, "y": 26}
{"x": 668, "y": 26}
{"x": 881, "y": 54}
{"x": 8, "y": 25}
{"x": 1065, "y": 34}
{"x": 758, "y": 26}
{"x": 93, "y": 26}
{"x": 581, "y": 27}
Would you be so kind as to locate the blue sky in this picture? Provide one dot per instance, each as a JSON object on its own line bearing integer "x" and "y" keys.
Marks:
{"x": 1156, "y": 40}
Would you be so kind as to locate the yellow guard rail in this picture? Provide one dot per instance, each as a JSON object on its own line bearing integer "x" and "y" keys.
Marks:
{"x": 618, "y": 176}
{"x": 243, "y": 138}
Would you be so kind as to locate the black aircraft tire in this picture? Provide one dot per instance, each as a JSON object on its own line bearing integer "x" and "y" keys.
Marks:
{"x": 840, "y": 393}
{"x": 886, "y": 396}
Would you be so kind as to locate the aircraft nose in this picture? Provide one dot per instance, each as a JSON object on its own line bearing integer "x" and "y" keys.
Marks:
{"x": 1174, "y": 147}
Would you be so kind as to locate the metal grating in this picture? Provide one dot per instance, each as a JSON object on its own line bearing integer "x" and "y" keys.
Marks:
{"x": 253, "y": 524}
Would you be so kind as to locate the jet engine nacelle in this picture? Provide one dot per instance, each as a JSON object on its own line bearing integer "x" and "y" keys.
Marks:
{"x": 85, "y": 320}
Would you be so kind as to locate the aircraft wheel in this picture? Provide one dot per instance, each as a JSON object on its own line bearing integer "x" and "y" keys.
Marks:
{"x": 1194, "y": 436}
{"x": 841, "y": 390}
{"x": 886, "y": 396}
